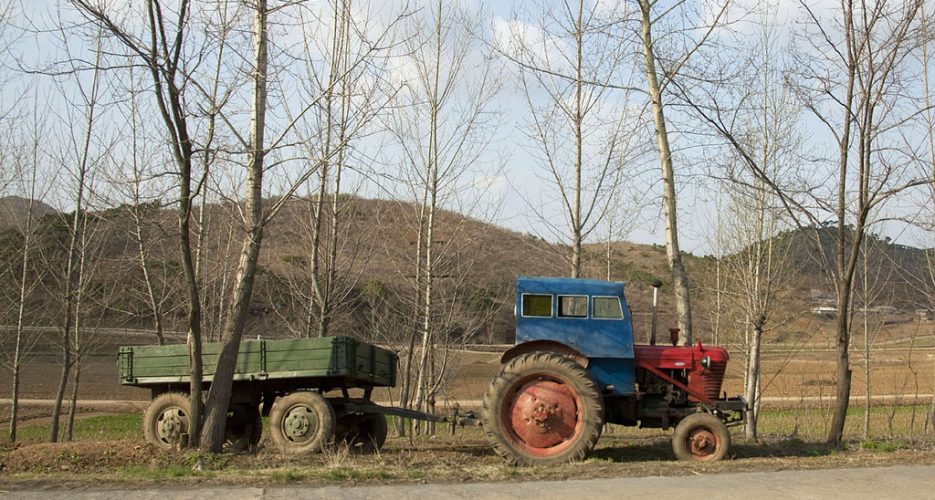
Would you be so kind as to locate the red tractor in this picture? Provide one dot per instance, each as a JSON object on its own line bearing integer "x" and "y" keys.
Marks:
{"x": 575, "y": 367}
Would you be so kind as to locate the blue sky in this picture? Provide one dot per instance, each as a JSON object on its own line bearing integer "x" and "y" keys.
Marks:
{"x": 507, "y": 182}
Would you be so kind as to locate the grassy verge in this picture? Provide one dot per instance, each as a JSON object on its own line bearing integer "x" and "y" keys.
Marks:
{"x": 109, "y": 448}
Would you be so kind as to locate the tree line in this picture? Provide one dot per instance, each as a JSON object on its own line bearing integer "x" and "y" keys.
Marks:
{"x": 630, "y": 113}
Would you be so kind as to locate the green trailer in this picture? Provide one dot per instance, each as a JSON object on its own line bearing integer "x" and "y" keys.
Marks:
{"x": 303, "y": 385}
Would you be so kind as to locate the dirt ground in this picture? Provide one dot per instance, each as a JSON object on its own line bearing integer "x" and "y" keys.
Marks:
{"x": 789, "y": 373}
{"x": 459, "y": 458}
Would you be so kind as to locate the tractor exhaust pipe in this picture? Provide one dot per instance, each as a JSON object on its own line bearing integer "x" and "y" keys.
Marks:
{"x": 655, "y": 284}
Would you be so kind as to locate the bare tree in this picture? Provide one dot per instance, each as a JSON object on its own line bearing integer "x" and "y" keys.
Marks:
{"x": 750, "y": 221}
{"x": 673, "y": 251}
{"x": 580, "y": 128}
{"x": 927, "y": 40}
{"x": 443, "y": 125}
{"x": 756, "y": 273}
{"x": 81, "y": 166}
{"x": 864, "y": 92}
{"x": 139, "y": 191}
{"x": 253, "y": 222}
{"x": 851, "y": 76}
{"x": 872, "y": 277}
{"x": 349, "y": 96}
{"x": 655, "y": 87}
{"x": 162, "y": 46}
{"x": 253, "y": 216}
{"x": 26, "y": 162}
{"x": 88, "y": 248}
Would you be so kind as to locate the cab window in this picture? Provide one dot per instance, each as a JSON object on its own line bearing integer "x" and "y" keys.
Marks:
{"x": 572, "y": 306}
{"x": 537, "y": 305}
{"x": 607, "y": 308}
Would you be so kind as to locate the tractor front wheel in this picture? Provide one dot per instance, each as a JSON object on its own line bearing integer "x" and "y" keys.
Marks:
{"x": 302, "y": 422}
{"x": 701, "y": 437}
{"x": 542, "y": 408}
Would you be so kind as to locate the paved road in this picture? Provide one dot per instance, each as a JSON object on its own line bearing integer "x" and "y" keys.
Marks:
{"x": 900, "y": 482}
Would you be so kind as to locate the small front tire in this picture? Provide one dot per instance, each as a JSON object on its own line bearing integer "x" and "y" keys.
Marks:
{"x": 701, "y": 437}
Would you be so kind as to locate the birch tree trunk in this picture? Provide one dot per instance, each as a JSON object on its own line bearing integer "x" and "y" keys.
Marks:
{"x": 24, "y": 292}
{"x": 212, "y": 437}
{"x": 72, "y": 276}
{"x": 673, "y": 254}
{"x": 431, "y": 180}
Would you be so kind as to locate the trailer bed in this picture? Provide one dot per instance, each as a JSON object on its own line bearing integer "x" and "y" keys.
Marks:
{"x": 339, "y": 358}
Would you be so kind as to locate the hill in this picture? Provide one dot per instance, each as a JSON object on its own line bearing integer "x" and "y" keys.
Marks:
{"x": 374, "y": 287}
{"x": 13, "y": 210}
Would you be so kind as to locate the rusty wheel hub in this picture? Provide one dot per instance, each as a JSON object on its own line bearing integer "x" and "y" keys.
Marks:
{"x": 543, "y": 414}
{"x": 702, "y": 443}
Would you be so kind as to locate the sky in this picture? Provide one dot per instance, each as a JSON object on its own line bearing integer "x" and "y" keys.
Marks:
{"x": 506, "y": 182}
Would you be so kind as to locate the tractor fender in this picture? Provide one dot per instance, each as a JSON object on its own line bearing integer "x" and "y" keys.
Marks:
{"x": 544, "y": 346}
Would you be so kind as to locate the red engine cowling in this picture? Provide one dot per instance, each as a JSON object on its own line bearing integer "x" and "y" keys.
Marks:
{"x": 704, "y": 367}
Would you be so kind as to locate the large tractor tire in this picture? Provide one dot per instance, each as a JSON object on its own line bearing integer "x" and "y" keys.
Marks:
{"x": 302, "y": 422}
{"x": 701, "y": 437}
{"x": 542, "y": 408}
{"x": 244, "y": 427}
{"x": 166, "y": 421}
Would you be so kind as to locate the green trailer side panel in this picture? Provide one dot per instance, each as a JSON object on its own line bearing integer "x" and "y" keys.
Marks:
{"x": 344, "y": 357}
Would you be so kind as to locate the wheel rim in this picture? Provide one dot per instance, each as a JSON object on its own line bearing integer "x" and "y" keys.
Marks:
{"x": 703, "y": 443}
{"x": 171, "y": 424}
{"x": 541, "y": 416}
{"x": 300, "y": 424}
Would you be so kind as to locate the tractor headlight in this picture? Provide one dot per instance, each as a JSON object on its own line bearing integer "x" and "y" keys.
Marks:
{"x": 706, "y": 362}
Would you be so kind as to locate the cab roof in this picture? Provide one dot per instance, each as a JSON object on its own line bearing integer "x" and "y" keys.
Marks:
{"x": 577, "y": 286}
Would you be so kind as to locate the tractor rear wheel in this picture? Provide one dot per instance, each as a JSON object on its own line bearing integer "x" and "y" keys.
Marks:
{"x": 701, "y": 437}
{"x": 542, "y": 408}
{"x": 166, "y": 421}
{"x": 302, "y": 422}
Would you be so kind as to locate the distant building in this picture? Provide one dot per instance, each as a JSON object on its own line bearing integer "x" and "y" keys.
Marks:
{"x": 825, "y": 311}
{"x": 925, "y": 314}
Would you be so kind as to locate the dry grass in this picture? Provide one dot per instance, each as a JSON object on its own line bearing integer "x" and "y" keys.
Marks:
{"x": 465, "y": 456}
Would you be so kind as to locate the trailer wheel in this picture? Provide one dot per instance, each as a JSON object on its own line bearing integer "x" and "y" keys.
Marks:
{"x": 243, "y": 428}
{"x": 701, "y": 437}
{"x": 166, "y": 421}
{"x": 302, "y": 422}
{"x": 542, "y": 408}
{"x": 363, "y": 433}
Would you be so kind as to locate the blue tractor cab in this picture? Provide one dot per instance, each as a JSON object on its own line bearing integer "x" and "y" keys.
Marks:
{"x": 586, "y": 318}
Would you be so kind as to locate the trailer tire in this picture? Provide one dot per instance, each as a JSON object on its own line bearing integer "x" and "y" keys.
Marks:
{"x": 542, "y": 408}
{"x": 701, "y": 437}
{"x": 362, "y": 432}
{"x": 302, "y": 422}
{"x": 244, "y": 427}
{"x": 166, "y": 420}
